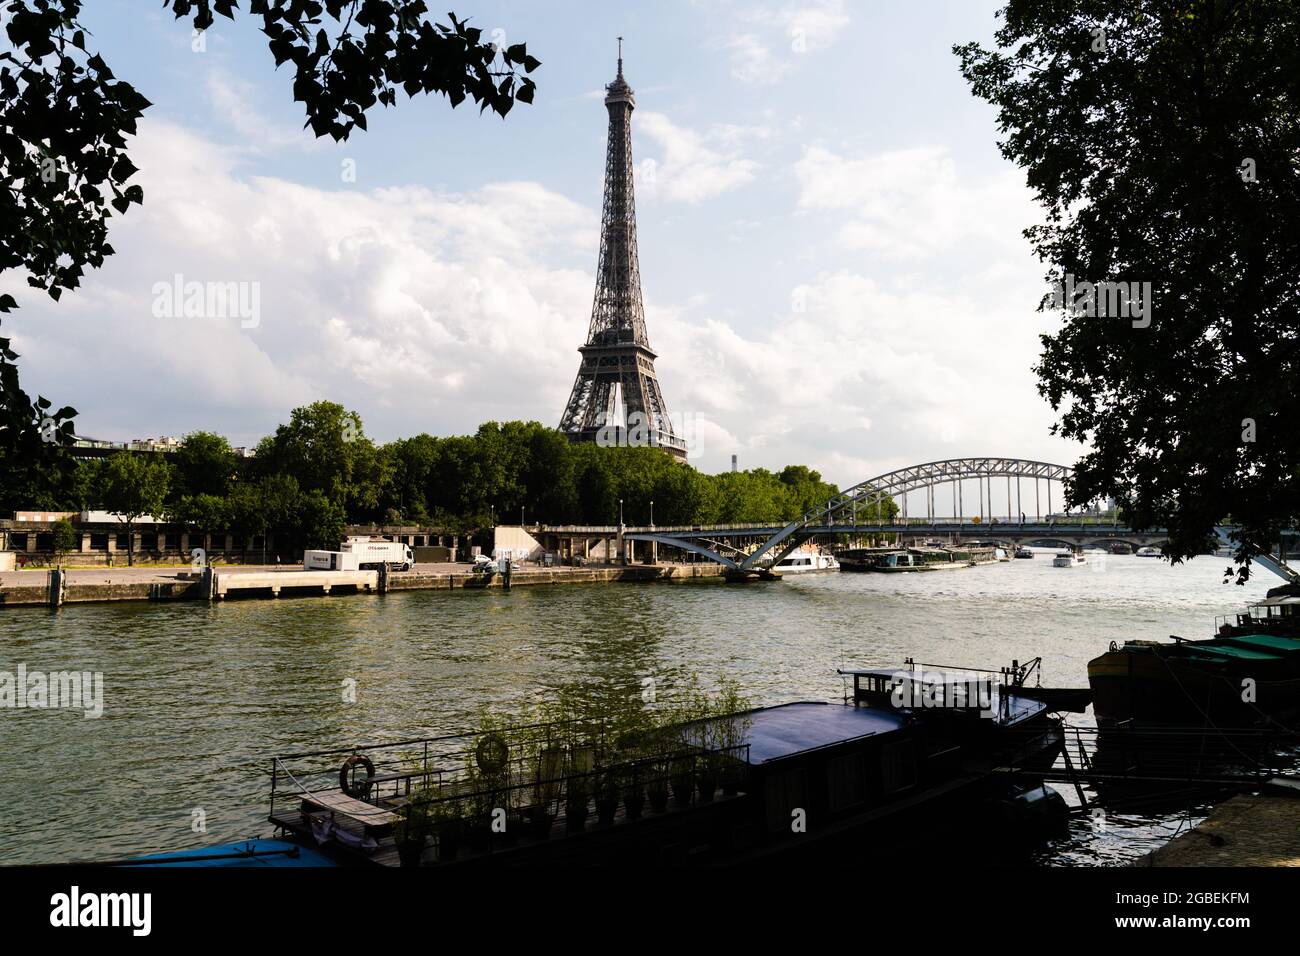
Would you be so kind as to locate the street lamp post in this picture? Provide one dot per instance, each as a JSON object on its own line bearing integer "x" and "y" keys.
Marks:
{"x": 654, "y": 545}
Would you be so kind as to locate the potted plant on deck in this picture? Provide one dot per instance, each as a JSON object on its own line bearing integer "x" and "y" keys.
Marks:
{"x": 412, "y": 829}
{"x": 577, "y": 790}
{"x": 708, "y": 774}
{"x": 547, "y": 774}
{"x": 606, "y": 791}
{"x": 656, "y": 790}
{"x": 448, "y": 819}
{"x": 733, "y": 727}
{"x": 681, "y": 777}
{"x": 479, "y": 805}
{"x": 660, "y": 748}
{"x": 632, "y": 786}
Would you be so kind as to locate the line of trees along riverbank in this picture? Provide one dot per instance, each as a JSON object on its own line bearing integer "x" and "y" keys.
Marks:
{"x": 320, "y": 472}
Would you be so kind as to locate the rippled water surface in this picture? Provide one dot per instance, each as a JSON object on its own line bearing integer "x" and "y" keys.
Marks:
{"x": 198, "y": 697}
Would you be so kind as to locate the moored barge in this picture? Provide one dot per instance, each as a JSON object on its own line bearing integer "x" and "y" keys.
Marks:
{"x": 922, "y": 746}
{"x": 1247, "y": 675}
{"x": 905, "y": 560}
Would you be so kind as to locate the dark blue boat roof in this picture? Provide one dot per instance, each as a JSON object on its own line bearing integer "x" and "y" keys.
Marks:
{"x": 242, "y": 854}
{"x": 794, "y": 728}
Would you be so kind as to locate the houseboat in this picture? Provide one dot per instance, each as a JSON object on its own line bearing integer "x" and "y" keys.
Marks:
{"x": 910, "y": 754}
{"x": 861, "y": 559}
{"x": 1248, "y": 674}
{"x": 903, "y": 560}
{"x": 893, "y": 562}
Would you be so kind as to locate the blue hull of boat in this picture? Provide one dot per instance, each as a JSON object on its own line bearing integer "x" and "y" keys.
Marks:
{"x": 243, "y": 854}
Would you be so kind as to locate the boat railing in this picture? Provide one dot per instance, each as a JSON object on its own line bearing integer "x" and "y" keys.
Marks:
{"x": 519, "y": 767}
{"x": 1015, "y": 675}
{"x": 527, "y": 785}
{"x": 1197, "y": 757}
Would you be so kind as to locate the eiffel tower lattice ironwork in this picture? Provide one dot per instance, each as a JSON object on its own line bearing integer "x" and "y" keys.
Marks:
{"x": 616, "y": 398}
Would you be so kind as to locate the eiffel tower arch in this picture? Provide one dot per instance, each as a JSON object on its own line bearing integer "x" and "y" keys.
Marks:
{"x": 616, "y": 399}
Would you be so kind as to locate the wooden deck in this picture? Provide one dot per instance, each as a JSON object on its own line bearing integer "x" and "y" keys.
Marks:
{"x": 297, "y": 823}
{"x": 353, "y": 809}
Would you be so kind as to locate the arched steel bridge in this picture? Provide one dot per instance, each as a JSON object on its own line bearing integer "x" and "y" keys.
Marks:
{"x": 841, "y": 514}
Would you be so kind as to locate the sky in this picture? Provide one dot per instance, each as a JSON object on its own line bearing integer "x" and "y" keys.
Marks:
{"x": 831, "y": 249}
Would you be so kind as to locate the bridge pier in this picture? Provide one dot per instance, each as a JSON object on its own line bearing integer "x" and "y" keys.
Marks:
{"x": 749, "y": 575}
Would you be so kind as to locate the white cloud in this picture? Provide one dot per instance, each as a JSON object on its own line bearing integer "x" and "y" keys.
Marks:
{"x": 911, "y": 203}
{"x": 423, "y": 310}
{"x": 773, "y": 36}
{"x": 232, "y": 101}
{"x": 863, "y": 380}
{"x": 434, "y": 311}
{"x": 692, "y": 166}
{"x": 752, "y": 60}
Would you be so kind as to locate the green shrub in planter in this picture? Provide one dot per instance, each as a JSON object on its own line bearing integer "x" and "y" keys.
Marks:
{"x": 540, "y": 819}
{"x": 412, "y": 829}
{"x": 707, "y": 777}
{"x": 607, "y": 794}
{"x": 449, "y": 823}
{"x": 632, "y": 790}
{"x": 657, "y": 793}
{"x": 576, "y": 798}
{"x": 681, "y": 777}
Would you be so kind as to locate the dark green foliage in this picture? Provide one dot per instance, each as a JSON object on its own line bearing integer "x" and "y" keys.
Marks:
{"x": 320, "y": 472}
{"x": 266, "y": 505}
{"x": 63, "y": 159}
{"x": 66, "y": 116}
{"x": 201, "y": 513}
{"x": 65, "y": 538}
{"x": 205, "y": 465}
{"x": 64, "y": 169}
{"x": 35, "y": 470}
{"x": 1168, "y": 153}
{"x": 321, "y": 522}
{"x": 486, "y": 478}
{"x": 133, "y": 486}
{"x": 325, "y": 448}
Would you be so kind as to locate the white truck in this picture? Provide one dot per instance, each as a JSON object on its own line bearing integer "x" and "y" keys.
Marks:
{"x": 373, "y": 553}
{"x": 330, "y": 561}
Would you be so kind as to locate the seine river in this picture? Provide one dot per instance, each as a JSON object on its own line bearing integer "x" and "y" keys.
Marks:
{"x": 197, "y": 697}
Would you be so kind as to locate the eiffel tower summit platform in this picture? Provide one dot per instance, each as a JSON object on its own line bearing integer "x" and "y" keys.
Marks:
{"x": 616, "y": 398}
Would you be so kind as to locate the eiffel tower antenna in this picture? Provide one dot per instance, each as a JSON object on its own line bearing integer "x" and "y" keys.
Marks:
{"x": 616, "y": 398}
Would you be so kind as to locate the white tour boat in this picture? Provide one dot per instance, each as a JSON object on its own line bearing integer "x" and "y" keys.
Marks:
{"x": 1068, "y": 559}
{"x": 802, "y": 562}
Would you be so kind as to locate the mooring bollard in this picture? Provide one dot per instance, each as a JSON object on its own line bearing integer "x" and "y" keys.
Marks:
{"x": 58, "y": 579}
{"x": 209, "y": 582}
{"x": 383, "y": 578}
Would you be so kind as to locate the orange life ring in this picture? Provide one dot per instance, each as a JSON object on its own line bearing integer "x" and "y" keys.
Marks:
{"x": 358, "y": 789}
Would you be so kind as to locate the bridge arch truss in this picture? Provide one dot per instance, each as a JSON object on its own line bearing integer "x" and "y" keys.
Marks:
{"x": 843, "y": 509}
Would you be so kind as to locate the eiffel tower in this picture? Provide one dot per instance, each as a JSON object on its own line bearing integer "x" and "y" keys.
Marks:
{"x": 616, "y": 398}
